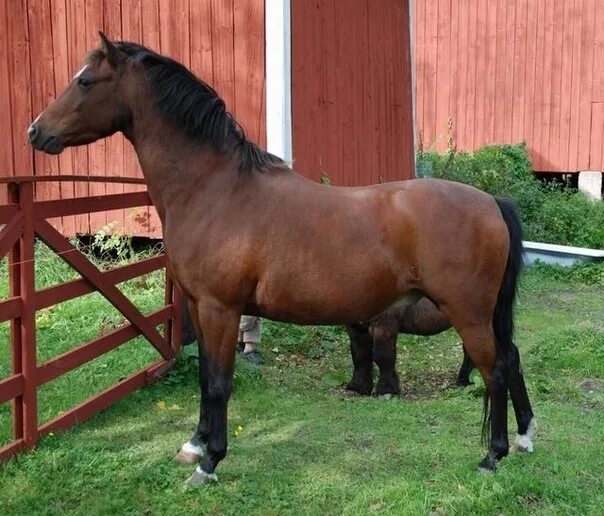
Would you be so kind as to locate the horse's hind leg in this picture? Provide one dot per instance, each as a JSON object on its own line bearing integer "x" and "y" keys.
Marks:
{"x": 467, "y": 366}
{"x": 361, "y": 349}
{"x": 525, "y": 419}
{"x": 384, "y": 333}
{"x": 479, "y": 342}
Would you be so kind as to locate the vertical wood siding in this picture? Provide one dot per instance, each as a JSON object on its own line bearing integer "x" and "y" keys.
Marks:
{"x": 42, "y": 43}
{"x": 351, "y": 90}
{"x": 505, "y": 71}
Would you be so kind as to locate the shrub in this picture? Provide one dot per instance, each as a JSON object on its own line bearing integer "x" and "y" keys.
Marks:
{"x": 567, "y": 217}
{"x": 579, "y": 273}
{"x": 551, "y": 213}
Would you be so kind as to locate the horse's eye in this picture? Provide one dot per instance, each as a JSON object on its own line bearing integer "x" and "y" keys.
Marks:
{"x": 84, "y": 83}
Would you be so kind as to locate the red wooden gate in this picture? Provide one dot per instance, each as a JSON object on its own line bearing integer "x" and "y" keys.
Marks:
{"x": 24, "y": 220}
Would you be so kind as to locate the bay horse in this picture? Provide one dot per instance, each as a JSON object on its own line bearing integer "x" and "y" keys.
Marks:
{"x": 244, "y": 234}
{"x": 375, "y": 341}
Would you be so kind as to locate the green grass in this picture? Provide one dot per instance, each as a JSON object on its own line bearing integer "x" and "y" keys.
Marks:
{"x": 302, "y": 448}
{"x": 67, "y": 325}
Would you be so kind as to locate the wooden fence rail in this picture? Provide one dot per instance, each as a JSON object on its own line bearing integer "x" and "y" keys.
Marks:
{"x": 24, "y": 220}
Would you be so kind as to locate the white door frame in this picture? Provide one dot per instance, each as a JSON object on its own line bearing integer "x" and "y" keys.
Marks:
{"x": 277, "y": 23}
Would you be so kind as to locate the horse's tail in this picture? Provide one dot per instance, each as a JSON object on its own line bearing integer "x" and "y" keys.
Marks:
{"x": 503, "y": 316}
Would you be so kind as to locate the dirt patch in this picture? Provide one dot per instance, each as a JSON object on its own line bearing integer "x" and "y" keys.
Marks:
{"x": 592, "y": 385}
{"x": 428, "y": 384}
{"x": 592, "y": 406}
{"x": 531, "y": 501}
{"x": 291, "y": 359}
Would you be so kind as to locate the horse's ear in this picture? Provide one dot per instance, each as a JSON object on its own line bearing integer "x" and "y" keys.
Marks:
{"x": 114, "y": 55}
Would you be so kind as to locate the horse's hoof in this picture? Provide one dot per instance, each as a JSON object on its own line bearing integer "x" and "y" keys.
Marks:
{"x": 187, "y": 458}
{"x": 355, "y": 390}
{"x": 200, "y": 477}
{"x": 348, "y": 393}
{"x": 189, "y": 454}
{"x": 487, "y": 465}
{"x": 387, "y": 394}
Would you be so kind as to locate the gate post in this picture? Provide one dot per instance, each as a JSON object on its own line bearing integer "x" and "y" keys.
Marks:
{"x": 23, "y": 330}
{"x": 172, "y": 329}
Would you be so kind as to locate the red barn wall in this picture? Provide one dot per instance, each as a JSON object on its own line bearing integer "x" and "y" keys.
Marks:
{"x": 504, "y": 71}
{"x": 351, "y": 90}
{"x": 41, "y": 47}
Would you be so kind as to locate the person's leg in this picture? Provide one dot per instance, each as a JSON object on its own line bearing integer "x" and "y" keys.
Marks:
{"x": 250, "y": 334}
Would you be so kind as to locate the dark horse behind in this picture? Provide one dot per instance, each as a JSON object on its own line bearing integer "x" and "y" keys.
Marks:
{"x": 375, "y": 341}
{"x": 244, "y": 234}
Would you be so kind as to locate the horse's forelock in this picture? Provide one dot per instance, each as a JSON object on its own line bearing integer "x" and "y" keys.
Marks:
{"x": 95, "y": 57}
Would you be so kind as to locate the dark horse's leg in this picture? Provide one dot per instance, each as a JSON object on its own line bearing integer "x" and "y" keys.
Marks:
{"x": 188, "y": 334}
{"x": 361, "y": 347}
{"x": 384, "y": 332}
{"x": 527, "y": 424}
{"x": 467, "y": 366}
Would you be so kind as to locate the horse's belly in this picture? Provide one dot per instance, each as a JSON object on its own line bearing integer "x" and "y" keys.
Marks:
{"x": 321, "y": 301}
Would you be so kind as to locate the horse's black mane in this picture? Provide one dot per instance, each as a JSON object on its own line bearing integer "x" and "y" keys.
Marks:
{"x": 196, "y": 109}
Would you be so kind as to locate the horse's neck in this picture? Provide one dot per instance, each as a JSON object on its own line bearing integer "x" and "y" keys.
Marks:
{"x": 177, "y": 170}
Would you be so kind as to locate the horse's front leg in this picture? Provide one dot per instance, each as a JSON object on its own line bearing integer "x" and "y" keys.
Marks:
{"x": 192, "y": 451}
{"x": 216, "y": 363}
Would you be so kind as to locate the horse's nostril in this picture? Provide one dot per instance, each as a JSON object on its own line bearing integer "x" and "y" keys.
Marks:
{"x": 32, "y": 132}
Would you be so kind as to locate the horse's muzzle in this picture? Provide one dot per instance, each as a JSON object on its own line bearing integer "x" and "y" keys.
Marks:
{"x": 41, "y": 140}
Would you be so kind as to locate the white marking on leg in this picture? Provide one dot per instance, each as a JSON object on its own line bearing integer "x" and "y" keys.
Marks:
{"x": 199, "y": 477}
{"x": 80, "y": 72}
{"x": 189, "y": 447}
{"x": 209, "y": 476}
{"x": 524, "y": 442}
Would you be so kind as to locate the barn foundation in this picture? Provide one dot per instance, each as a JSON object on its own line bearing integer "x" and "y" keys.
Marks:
{"x": 590, "y": 183}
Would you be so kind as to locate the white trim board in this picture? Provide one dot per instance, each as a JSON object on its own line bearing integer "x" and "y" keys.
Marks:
{"x": 277, "y": 23}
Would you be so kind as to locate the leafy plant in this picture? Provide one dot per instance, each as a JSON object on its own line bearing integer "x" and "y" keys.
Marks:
{"x": 325, "y": 179}
{"x": 113, "y": 243}
{"x": 581, "y": 273}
